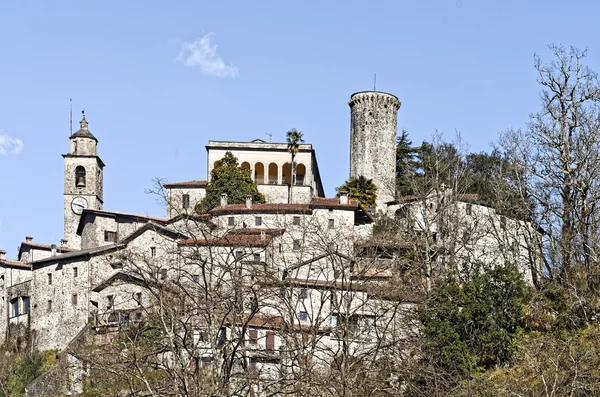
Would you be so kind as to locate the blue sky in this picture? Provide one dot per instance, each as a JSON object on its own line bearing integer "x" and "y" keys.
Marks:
{"x": 159, "y": 79}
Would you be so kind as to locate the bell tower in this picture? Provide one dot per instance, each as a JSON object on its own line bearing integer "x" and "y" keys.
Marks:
{"x": 83, "y": 180}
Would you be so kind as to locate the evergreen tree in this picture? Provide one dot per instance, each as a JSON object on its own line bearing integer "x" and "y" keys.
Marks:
{"x": 476, "y": 323}
{"x": 229, "y": 177}
{"x": 406, "y": 163}
{"x": 360, "y": 189}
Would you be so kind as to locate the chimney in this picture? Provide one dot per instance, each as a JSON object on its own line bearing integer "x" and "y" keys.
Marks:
{"x": 63, "y": 242}
{"x": 223, "y": 199}
{"x": 249, "y": 201}
{"x": 2, "y": 254}
{"x": 28, "y": 239}
{"x": 53, "y": 250}
{"x": 343, "y": 198}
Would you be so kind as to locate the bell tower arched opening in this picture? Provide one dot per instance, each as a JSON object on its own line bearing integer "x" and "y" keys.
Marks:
{"x": 79, "y": 176}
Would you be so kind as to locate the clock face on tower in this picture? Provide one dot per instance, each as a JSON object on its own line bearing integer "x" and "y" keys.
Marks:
{"x": 79, "y": 204}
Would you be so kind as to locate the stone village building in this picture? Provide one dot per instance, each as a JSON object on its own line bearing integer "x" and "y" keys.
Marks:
{"x": 308, "y": 253}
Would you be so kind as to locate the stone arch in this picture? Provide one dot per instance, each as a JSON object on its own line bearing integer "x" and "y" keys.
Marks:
{"x": 287, "y": 173}
{"x": 79, "y": 176}
{"x": 273, "y": 174}
{"x": 259, "y": 173}
{"x": 300, "y": 174}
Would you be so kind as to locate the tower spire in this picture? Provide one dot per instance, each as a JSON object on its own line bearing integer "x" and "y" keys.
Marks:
{"x": 83, "y": 124}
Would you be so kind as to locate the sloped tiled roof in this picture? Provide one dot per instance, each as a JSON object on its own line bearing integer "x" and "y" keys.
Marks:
{"x": 262, "y": 208}
{"x": 237, "y": 238}
{"x": 15, "y": 264}
{"x": 83, "y": 131}
{"x": 115, "y": 214}
{"x": 188, "y": 184}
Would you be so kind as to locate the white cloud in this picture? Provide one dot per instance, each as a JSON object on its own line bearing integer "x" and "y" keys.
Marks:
{"x": 10, "y": 145}
{"x": 202, "y": 53}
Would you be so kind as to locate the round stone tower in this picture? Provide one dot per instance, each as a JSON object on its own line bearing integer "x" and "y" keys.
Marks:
{"x": 373, "y": 129}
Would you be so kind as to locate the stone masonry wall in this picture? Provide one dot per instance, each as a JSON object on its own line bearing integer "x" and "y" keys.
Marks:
{"x": 373, "y": 129}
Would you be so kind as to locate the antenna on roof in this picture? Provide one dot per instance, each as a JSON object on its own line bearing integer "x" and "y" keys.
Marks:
{"x": 71, "y": 116}
{"x": 375, "y": 82}
{"x": 270, "y": 136}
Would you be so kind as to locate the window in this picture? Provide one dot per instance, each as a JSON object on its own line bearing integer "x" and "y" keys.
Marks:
{"x": 303, "y": 293}
{"x": 238, "y": 253}
{"x": 75, "y": 272}
{"x": 110, "y": 302}
{"x": 231, "y": 221}
{"x": 334, "y": 320}
{"x": 402, "y": 213}
{"x": 253, "y": 366}
{"x": 110, "y": 236}
{"x": 152, "y": 251}
{"x": 49, "y": 307}
{"x": 303, "y": 316}
{"x": 79, "y": 176}
{"x": 14, "y": 307}
{"x": 123, "y": 318}
{"x": 74, "y": 299}
{"x": 256, "y": 257}
{"x": 185, "y": 199}
{"x": 138, "y": 298}
{"x": 270, "y": 341}
{"x": 196, "y": 278}
{"x": 283, "y": 292}
{"x": 49, "y": 278}
{"x": 258, "y": 221}
{"x": 503, "y": 222}
{"x": 331, "y": 224}
{"x": 296, "y": 245}
{"x": 296, "y": 220}
{"x": 469, "y": 209}
{"x": 163, "y": 274}
{"x": 205, "y": 362}
{"x": 252, "y": 336}
{"x": 25, "y": 304}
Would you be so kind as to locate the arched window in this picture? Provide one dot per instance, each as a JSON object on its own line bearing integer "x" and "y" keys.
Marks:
{"x": 259, "y": 173}
{"x": 287, "y": 173}
{"x": 300, "y": 173}
{"x": 79, "y": 176}
{"x": 273, "y": 174}
{"x": 246, "y": 165}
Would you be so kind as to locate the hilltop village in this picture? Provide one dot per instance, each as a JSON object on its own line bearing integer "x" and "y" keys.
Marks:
{"x": 251, "y": 291}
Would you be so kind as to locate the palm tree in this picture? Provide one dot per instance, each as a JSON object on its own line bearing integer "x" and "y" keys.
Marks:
{"x": 294, "y": 139}
{"x": 360, "y": 189}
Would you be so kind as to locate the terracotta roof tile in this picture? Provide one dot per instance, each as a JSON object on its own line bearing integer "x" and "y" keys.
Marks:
{"x": 262, "y": 208}
{"x": 188, "y": 184}
{"x": 333, "y": 202}
{"x": 20, "y": 265}
{"x": 237, "y": 238}
{"x": 45, "y": 247}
